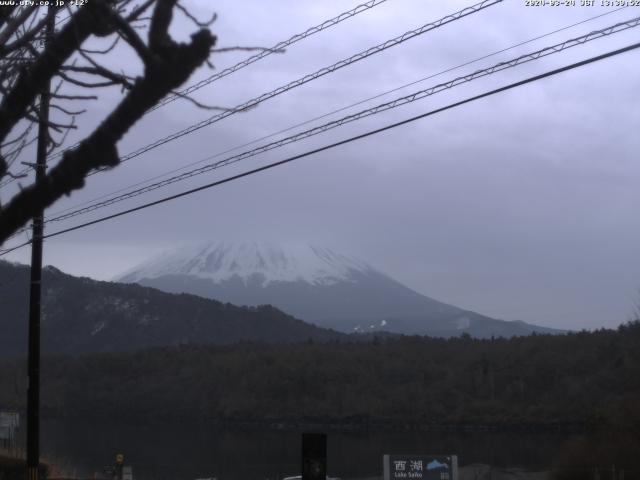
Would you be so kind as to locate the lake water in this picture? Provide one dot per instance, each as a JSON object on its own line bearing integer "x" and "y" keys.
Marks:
{"x": 190, "y": 451}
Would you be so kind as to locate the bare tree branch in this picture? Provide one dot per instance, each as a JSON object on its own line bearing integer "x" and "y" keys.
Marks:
{"x": 58, "y": 50}
{"x": 130, "y": 36}
{"x": 159, "y": 28}
{"x": 247, "y": 49}
{"x": 28, "y": 36}
{"x": 169, "y": 65}
{"x": 81, "y": 83}
{"x": 16, "y": 177}
{"x": 68, "y": 112}
{"x": 5, "y": 13}
{"x": 101, "y": 52}
{"x": 74, "y": 97}
{"x": 58, "y": 143}
{"x": 58, "y": 127}
{"x": 197, "y": 103}
{"x": 135, "y": 14}
{"x": 14, "y": 24}
{"x": 199, "y": 23}
{"x": 19, "y": 137}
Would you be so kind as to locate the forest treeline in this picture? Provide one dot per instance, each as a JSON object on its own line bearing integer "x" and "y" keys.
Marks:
{"x": 578, "y": 380}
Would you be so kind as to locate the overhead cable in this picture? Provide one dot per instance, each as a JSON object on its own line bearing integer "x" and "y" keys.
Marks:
{"x": 325, "y": 115}
{"x": 341, "y": 142}
{"x": 276, "y": 48}
{"x": 421, "y": 94}
{"x": 258, "y": 56}
{"x": 310, "y": 77}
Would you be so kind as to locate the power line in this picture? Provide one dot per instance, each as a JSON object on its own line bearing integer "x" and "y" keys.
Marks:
{"x": 325, "y": 115}
{"x": 343, "y": 142}
{"x": 277, "y": 47}
{"x": 374, "y": 110}
{"x": 421, "y": 94}
{"x": 354, "y": 58}
{"x": 262, "y": 54}
{"x": 245, "y": 63}
{"x": 310, "y": 77}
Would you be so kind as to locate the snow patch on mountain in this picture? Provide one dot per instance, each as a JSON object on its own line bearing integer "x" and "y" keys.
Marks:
{"x": 221, "y": 261}
{"x": 314, "y": 284}
{"x": 462, "y": 323}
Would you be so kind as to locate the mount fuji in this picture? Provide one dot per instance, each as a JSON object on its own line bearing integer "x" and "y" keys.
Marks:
{"x": 314, "y": 284}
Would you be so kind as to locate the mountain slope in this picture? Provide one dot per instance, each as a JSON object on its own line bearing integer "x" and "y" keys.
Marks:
{"x": 83, "y": 315}
{"x": 315, "y": 284}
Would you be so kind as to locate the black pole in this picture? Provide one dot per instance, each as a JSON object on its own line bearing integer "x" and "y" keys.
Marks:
{"x": 314, "y": 456}
{"x": 33, "y": 391}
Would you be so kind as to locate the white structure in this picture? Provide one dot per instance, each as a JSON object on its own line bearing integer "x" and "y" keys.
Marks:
{"x": 9, "y": 423}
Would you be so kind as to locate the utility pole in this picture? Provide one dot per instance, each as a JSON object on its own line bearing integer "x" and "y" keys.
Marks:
{"x": 33, "y": 391}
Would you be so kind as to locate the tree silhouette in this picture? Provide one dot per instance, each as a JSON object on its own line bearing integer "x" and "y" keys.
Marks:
{"x": 32, "y": 56}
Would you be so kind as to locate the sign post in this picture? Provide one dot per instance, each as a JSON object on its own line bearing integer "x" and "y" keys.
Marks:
{"x": 314, "y": 456}
{"x": 420, "y": 467}
{"x": 119, "y": 471}
{"x": 119, "y": 465}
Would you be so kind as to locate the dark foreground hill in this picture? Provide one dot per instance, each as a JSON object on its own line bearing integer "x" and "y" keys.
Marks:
{"x": 578, "y": 380}
{"x": 81, "y": 315}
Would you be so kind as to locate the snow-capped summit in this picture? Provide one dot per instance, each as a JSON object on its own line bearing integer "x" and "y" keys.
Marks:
{"x": 222, "y": 261}
{"x": 314, "y": 284}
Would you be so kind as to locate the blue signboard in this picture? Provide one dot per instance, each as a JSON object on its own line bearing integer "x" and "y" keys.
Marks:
{"x": 420, "y": 467}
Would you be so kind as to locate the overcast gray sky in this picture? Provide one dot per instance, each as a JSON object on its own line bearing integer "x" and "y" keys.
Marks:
{"x": 519, "y": 206}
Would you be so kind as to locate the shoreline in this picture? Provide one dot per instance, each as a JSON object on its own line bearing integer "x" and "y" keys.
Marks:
{"x": 343, "y": 425}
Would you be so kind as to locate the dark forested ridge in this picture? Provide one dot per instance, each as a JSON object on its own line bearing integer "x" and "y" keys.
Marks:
{"x": 83, "y": 315}
{"x": 580, "y": 380}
